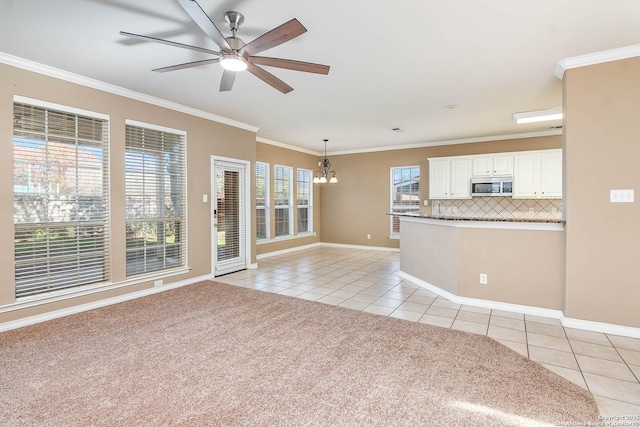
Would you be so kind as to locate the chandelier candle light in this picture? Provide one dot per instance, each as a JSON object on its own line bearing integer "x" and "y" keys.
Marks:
{"x": 325, "y": 169}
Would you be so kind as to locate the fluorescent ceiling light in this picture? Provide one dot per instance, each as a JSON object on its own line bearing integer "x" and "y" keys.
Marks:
{"x": 538, "y": 116}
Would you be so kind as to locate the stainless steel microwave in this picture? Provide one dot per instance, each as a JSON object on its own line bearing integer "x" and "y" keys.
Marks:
{"x": 492, "y": 186}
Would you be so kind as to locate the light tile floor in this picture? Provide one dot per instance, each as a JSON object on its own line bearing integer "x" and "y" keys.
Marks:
{"x": 368, "y": 280}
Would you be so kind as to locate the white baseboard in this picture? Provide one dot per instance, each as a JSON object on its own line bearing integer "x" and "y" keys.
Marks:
{"x": 365, "y": 247}
{"x": 606, "y": 328}
{"x": 494, "y": 305}
{"x": 287, "y": 251}
{"x": 13, "y": 324}
{"x": 330, "y": 245}
{"x": 587, "y": 325}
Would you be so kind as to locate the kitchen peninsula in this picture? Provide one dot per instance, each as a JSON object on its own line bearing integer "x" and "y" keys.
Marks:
{"x": 496, "y": 260}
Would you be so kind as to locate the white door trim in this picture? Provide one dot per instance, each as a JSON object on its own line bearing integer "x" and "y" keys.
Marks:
{"x": 247, "y": 201}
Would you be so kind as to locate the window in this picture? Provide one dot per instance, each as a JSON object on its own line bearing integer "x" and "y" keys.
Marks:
{"x": 155, "y": 198}
{"x": 60, "y": 197}
{"x": 262, "y": 200}
{"x": 304, "y": 201}
{"x": 405, "y": 194}
{"x": 282, "y": 177}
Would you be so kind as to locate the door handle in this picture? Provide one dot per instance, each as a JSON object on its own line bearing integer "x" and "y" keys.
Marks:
{"x": 215, "y": 217}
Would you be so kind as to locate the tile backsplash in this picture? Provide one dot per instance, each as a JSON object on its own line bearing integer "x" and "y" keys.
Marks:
{"x": 498, "y": 207}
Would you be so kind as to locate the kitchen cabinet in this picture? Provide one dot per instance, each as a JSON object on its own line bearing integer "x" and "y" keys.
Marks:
{"x": 484, "y": 165}
{"x": 538, "y": 175}
{"x": 450, "y": 178}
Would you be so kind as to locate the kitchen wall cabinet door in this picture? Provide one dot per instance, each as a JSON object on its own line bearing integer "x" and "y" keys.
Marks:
{"x": 439, "y": 178}
{"x": 526, "y": 179}
{"x": 460, "y": 179}
{"x": 492, "y": 165}
{"x": 450, "y": 178}
{"x": 551, "y": 175}
{"x": 502, "y": 165}
{"x": 482, "y": 165}
{"x": 538, "y": 175}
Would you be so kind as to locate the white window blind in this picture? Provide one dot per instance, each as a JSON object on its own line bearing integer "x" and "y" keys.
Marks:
{"x": 60, "y": 194}
{"x": 282, "y": 191}
{"x": 304, "y": 201}
{"x": 155, "y": 199}
{"x": 262, "y": 200}
{"x": 405, "y": 193}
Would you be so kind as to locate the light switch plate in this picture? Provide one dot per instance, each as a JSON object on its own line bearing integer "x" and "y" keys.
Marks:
{"x": 205, "y": 198}
{"x": 621, "y": 196}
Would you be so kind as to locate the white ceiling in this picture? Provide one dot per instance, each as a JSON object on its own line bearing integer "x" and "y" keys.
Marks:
{"x": 393, "y": 64}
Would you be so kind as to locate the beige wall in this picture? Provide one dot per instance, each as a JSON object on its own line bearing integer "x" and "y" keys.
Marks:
{"x": 524, "y": 267}
{"x": 204, "y": 139}
{"x": 274, "y": 155}
{"x": 430, "y": 253}
{"x": 602, "y": 152}
{"x": 358, "y": 203}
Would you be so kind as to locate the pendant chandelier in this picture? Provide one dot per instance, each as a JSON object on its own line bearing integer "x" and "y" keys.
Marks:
{"x": 325, "y": 169}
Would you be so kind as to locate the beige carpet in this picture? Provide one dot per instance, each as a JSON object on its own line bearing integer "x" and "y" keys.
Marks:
{"x": 219, "y": 355}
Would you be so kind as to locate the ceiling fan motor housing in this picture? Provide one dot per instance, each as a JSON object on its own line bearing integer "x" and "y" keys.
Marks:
{"x": 235, "y": 19}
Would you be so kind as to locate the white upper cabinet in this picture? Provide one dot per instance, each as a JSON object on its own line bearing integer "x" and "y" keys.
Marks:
{"x": 439, "y": 178}
{"x": 493, "y": 165}
{"x": 502, "y": 165}
{"x": 460, "y": 179}
{"x": 551, "y": 174}
{"x": 450, "y": 178}
{"x": 538, "y": 175}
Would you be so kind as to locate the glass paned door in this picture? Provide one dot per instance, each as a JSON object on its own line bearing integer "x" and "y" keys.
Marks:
{"x": 229, "y": 217}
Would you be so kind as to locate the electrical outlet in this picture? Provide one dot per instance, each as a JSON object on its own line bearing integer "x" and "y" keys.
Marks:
{"x": 483, "y": 278}
{"x": 368, "y": 236}
{"x": 532, "y": 210}
{"x": 158, "y": 283}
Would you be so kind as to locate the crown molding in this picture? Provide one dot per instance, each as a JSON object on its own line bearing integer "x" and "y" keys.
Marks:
{"x": 549, "y": 132}
{"x": 57, "y": 73}
{"x": 523, "y": 135}
{"x": 288, "y": 146}
{"x": 596, "y": 58}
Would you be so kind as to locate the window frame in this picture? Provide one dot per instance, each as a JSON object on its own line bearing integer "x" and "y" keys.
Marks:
{"x": 309, "y": 206}
{"x": 182, "y": 218}
{"x": 267, "y": 202}
{"x": 289, "y": 206}
{"x": 394, "y": 220}
{"x": 63, "y": 234}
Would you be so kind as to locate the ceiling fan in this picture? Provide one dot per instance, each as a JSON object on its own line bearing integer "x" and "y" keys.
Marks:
{"x": 235, "y": 54}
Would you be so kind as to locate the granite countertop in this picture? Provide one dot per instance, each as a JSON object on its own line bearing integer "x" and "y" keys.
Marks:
{"x": 487, "y": 219}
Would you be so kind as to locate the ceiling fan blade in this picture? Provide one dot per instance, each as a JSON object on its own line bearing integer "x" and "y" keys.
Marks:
{"x": 228, "y": 77}
{"x": 205, "y": 23}
{"x": 186, "y": 65}
{"x": 277, "y": 36}
{"x": 167, "y": 42}
{"x": 269, "y": 78}
{"x": 289, "y": 64}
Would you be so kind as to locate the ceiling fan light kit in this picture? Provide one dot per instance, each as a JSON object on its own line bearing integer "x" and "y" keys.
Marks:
{"x": 236, "y": 55}
{"x": 233, "y": 62}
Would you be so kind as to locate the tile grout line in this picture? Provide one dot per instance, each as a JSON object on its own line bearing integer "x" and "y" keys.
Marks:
{"x": 576, "y": 359}
{"x": 623, "y": 359}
